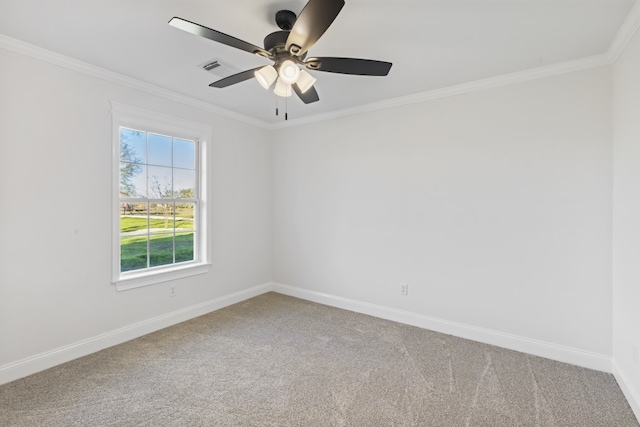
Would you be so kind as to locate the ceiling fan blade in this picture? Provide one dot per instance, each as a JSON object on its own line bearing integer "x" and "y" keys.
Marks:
{"x": 217, "y": 36}
{"x": 309, "y": 96}
{"x": 311, "y": 24}
{"x": 360, "y": 67}
{"x": 236, "y": 78}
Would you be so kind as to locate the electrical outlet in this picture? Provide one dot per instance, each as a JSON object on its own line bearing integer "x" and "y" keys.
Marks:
{"x": 634, "y": 354}
{"x": 404, "y": 289}
{"x": 172, "y": 291}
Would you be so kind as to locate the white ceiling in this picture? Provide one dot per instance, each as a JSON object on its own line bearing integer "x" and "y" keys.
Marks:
{"x": 433, "y": 44}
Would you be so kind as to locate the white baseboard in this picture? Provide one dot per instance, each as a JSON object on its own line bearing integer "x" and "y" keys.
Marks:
{"x": 630, "y": 392}
{"x": 574, "y": 356}
{"x": 31, "y": 365}
{"x": 42, "y": 361}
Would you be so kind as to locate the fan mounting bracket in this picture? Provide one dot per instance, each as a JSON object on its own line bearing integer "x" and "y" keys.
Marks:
{"x": 285, "y": 19}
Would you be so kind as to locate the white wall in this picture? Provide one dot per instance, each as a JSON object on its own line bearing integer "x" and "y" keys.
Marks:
{"x": 494, "y": 207}
{"x": 55, "y": 224}
{"x": 626, "y": 220}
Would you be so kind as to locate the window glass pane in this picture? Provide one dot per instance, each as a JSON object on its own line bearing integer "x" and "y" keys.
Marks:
{"x": 133, "y": 253}
{"x": 133, "y": 180}
{"x": 161, "y": 217}
{"x": 184, "y": 155}
{"x": 160, "y": 249}
{"x": 133, "y": 219}
{"x": 184, "y": 247}
{"x": 184, "y": 216}
{"x": 159, "y": 150}
{"x": 184, "y": 183}
{"x": 160, "y": 183}
{"x": 133, "y": 146}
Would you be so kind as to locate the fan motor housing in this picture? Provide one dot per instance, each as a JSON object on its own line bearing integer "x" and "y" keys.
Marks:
{"x": 276, "y": 44}
{"x": 274, "y": 40}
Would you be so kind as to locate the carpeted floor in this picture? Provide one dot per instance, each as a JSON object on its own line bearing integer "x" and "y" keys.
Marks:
{"x": 279, "y": 361}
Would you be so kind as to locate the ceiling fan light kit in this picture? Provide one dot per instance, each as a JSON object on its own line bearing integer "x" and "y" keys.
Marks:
{"x": 282, "y": 89}
{"x": 266, "y": 76}
{"x": 289, "y": 72}
{"x": 288, "y": 50}
{"x": 306, "y": 81}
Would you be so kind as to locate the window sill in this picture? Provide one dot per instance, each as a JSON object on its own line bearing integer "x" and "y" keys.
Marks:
{"x": 150, "y": 278}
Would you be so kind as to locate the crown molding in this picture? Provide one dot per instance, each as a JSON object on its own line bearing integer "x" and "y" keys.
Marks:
{"x": 626, "y": 32}
{"x": 36, "y": 52}
{"x": 624, "y": 35}
{"x": 478, "y": 85}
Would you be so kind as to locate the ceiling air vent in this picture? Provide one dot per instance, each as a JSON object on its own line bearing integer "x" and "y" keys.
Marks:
{"x": 219, "y": 68}
{"x": 211, "y": 65}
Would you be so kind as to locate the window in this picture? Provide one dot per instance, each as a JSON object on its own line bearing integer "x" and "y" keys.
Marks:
{"x": 159, "y": 197}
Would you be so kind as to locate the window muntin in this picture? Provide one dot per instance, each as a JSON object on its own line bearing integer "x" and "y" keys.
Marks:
{"x": 160, "y": 200}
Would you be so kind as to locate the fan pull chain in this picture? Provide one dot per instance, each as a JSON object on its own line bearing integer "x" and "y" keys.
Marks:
{"x": 286, "y": 109}
{"x": 276, "y": 104}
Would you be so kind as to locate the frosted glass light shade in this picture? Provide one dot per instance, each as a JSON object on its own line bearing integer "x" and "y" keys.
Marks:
{"x": 289, "y": 72}
{"x": 282, "y": 89}
{"x": 305, "y": 81}
{"x": 266, "y": 76}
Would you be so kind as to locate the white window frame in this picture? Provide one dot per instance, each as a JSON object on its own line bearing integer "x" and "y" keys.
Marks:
{"x": 137, "y": 118}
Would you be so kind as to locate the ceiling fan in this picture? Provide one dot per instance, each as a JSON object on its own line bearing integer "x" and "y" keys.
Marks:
{"x": 288, "y": 50}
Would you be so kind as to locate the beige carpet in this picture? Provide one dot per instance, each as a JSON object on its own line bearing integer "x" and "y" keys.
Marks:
{"x": 279, "y": 361}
